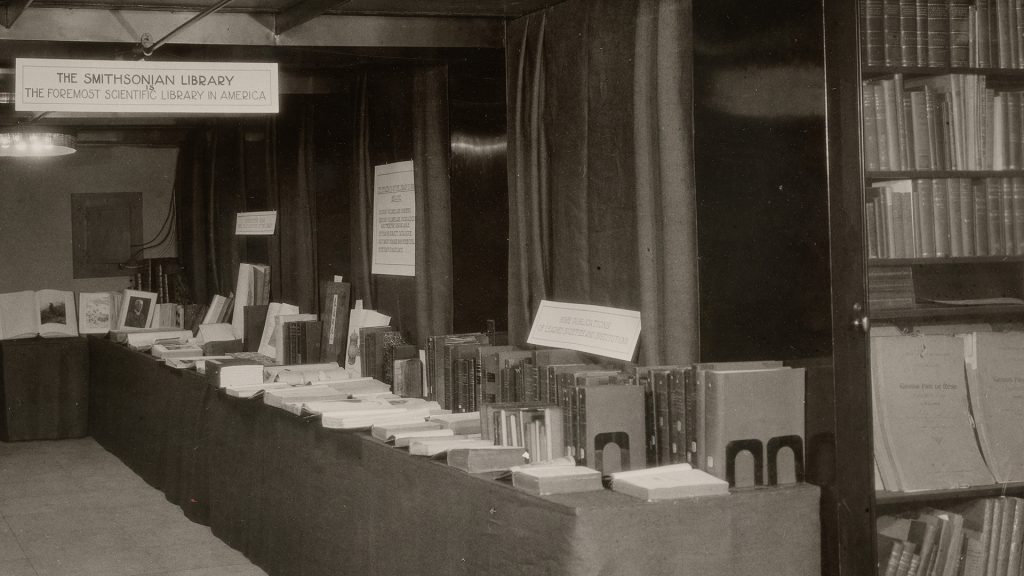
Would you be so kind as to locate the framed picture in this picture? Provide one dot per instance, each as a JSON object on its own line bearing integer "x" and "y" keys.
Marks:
{"x": 96, "y": 312}
{"x": 137, "y": 309}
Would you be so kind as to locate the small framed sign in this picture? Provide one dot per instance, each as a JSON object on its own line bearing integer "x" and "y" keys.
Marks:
{"x": 256, "y": 223}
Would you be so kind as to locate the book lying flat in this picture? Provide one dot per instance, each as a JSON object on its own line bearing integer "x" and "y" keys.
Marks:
{"x": 386, "y": 433}
{"x": 439, "y": 445}
{"x": 668, "y": 482}
{"x": 346, "y": 421}
{"x": 233, "y": 372}
{"x": 404, "y": 439}
{"x": 486, "y": 459}
{"x": 545, "y": 480}
{"x": 461, "y": 423}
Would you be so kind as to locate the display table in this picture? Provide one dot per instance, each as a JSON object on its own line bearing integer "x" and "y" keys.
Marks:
{"x": 298, "y": 499}
{"x": 44, "y": 392}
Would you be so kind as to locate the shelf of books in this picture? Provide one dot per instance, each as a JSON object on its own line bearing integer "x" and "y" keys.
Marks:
{"x": 942, "y": 157}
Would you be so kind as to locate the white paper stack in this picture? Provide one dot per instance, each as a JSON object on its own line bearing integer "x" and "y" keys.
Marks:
{"x": 668, "y": 482}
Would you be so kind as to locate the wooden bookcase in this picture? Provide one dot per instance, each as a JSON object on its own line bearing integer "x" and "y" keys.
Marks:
{"x": 850, "y": 503}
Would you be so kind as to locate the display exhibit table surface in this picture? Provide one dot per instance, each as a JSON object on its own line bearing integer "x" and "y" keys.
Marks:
{"x": 44, "y": 388}
{"x": 298, "y": 499}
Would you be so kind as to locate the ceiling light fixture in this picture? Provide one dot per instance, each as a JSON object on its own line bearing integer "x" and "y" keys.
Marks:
{"x": 35, "y": 143}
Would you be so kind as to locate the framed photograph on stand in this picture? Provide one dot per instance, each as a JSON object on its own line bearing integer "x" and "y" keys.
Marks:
{"x": 137, "y": 309}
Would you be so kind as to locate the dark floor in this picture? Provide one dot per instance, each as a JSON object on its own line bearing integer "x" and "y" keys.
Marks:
{"x": 69, "y": 508}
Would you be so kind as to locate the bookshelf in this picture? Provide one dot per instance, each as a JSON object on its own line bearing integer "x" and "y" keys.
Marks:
{"x": 915, "y": 277}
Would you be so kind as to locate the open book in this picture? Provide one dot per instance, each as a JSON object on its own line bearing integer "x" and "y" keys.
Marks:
{"x": 46, "y": 313}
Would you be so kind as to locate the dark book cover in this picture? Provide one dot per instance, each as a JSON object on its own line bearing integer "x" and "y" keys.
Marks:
{"x": 252, "y": 327}
{"x": 334, "y": 314}
{"x": 390, "y": 341}
{"x": 371, "y": 350}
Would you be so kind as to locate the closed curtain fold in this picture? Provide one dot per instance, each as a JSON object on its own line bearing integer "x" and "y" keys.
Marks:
{"x": 666, "y": 196}
{"x": 361, "y": 217}
{"x": 293, "y": 248}
{"x": 600, "y": 182}
{"x": 431, "y": 160}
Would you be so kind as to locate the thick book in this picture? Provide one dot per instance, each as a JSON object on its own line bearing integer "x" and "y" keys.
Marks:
{"x": 281, "y": 336}
{"x": 547, "y": 480}
{"x": 231, "y": 372}
{"x": 669, "y": 482}
{"x": 255, "y": 318}
{"x": 46, "y": 313}
{"x": 334, "y": 313}
{"x": 436, "y": 365}
{"x": 924, "y": 438}
{"x": 755, "y": 425}
{"x": 485, "y": 459}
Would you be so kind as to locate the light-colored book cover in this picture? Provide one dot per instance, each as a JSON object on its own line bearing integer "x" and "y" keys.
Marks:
{"x": 96, "y": 312}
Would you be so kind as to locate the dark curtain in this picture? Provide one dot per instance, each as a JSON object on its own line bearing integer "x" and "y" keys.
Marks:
{"x": 600, "y": 166}
{"x": 403, "y": 115}
{"x": 252, "y": 165}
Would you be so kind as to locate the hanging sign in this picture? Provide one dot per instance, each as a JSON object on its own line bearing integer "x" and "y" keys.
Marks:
{"x": 47, "y": 85}
{"x": 600, "y": 330}
{"x": 394, "y": 219}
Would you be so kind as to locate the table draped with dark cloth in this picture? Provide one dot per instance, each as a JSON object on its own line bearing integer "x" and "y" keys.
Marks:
{"x": 298, "y": 499}
{"x": 44, "y": 388}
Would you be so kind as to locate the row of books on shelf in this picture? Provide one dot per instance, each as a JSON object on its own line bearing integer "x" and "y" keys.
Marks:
{"x": 975, "y": 538}
{"x": 940, "y": 33}
{"x": 946, "y": 217}
{"x": 947, "y": 408}
{"x": 61, "y": 313}
{"x": 944, "y": 122}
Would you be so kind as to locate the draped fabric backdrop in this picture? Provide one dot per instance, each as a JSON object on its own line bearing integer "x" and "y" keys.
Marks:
{"x": 601, "y": 194}
{"x": 242, "y": 167}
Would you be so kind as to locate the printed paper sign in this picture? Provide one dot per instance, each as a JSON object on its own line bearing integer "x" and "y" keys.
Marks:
{"x": 394, "y": 219}
{"x": 255, "y": 223}
{"x": 600, "y": 330}
{"x": 44, "y": 85}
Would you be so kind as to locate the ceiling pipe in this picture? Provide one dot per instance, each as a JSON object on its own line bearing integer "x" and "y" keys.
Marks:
{"x": 148, "y": 51}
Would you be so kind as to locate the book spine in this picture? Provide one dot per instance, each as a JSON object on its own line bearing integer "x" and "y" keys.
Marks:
{"x": 873, "y": 33}
{"x": 938, "y": 33}
{"x": 891, "y": 32}
{"x": 993, "y": 195}
{"x": 677, "y": 415}
{"x": 983, "y": 59}
{"x": 450, "y": 391}
{"x": 661, "y": 391}
{"x": 882, "y": 124}
{"x": 690, "y": 417}
{"x": 1006, "y": 207}
{"x": 568, "y": 406}
{"x": 921, "y": 11}
{"x": 650, "y": 416}
{"x": 1017, "y": 184}
{"x": 582, "y": 441}
{"x": 940, "y": 213}
{"x": 870, "y": 128}
{"x": 919, "y": 122}
{"x": 908, "y": 32}
{"x": 959, "y": 33}
{"x": 967, "y": 215}
{"x": 980, "y": 218}
{"x": 872, "y": 232}
{"x": 953, "y": 200}
{"x": 431, "y": 356}
{"x": 926, "y": 219}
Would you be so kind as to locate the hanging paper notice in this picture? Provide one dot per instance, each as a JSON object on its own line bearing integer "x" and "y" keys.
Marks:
{"x": 600, "y": 330}
{"x": 255, "y": 223}
{"x": 51, "y": 85}
{"x": 394, "y": 219}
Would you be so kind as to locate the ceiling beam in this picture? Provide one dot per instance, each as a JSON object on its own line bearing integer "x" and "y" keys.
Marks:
{"x": 240, "y": 29}
{"x": 303, "y": 12}
{"x": 12, "y": 11}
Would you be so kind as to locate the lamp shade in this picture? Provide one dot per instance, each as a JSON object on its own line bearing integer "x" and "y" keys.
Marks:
{"x": 35, "y": 143}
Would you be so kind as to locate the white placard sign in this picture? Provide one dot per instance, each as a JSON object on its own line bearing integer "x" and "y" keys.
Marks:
{"x": 394, "y": 219}
{"x": 600, "y": 330}
{"x": 255, "y": 223}
{"x": 50, "y": 85}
